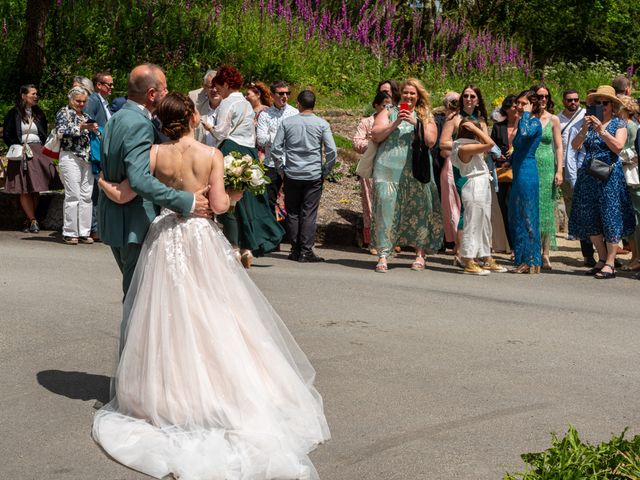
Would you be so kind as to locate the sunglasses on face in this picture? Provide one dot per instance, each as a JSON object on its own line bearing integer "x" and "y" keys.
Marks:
{"x": 603, "y": 102}
{"x": 468, "y": 96}
{"x": 541, "y": 96}
{"x": 282, "y": 94}
{"x": 572, "y": 100}
{"x": 110, "y": 85}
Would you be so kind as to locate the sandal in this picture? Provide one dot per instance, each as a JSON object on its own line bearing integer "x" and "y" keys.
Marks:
{"x": 457, "y": 262}
{"x": 631, "y": 266}
{"x": 381, "y": 266}
{"x": 546, "y": 263}
{"x": 596, "y": 268}
{"x": 606, "y": 275}
{"x": 524, "y": 268}
{"x": 246, "y": 258}
{"x": 418, "y": 264}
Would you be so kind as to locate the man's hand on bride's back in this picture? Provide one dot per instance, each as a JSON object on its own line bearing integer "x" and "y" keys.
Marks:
{"x": 202, "y": 208}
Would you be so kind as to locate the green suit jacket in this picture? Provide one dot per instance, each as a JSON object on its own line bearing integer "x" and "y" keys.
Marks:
{"x": 124, "y": 153}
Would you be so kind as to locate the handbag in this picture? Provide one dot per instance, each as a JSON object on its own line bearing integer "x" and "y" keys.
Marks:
{"x": 420, "y": 155}
{"x": 629, "y": 159}
{"x": 599, "y": 169}
{"x": 52, "y": 146}
{"x": 505, "y": 174}
{"x": 21, "y": 152}
{"x": 364, "y": 169}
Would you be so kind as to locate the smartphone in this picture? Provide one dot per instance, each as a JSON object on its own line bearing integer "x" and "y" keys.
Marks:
{"x": 596, "y": 111}
{"x": 91, "y": 120}
{"x": 404, "y": 106}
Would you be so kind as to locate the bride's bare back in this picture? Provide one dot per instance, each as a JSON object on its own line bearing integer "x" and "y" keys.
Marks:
{"x": 184, "y": 165}
{"x": 189, "y": 165}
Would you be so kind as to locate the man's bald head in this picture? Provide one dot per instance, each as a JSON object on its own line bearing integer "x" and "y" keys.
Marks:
{"x": 147, "y": 85}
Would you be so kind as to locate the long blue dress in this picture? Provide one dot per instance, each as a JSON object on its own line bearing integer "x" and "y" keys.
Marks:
{"x": 601, "y": 208}
{"x": 524, "y": 214}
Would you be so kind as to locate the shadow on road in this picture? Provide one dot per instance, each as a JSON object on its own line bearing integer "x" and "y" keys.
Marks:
{"x": 76, "y": 385}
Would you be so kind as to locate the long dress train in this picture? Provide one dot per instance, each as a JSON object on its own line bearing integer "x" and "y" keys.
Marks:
{"x": 211, "y": 385}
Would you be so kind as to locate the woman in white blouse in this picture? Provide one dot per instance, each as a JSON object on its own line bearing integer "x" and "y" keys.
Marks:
{"x": 251, "y": 227}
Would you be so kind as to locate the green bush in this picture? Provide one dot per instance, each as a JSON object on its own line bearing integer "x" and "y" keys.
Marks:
{"x": 573, "y": 459}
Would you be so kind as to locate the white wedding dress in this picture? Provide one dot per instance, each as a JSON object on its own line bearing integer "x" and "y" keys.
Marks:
{"x": 210, "y": 385}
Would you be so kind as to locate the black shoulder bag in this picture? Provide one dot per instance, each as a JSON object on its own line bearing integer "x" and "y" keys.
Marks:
{"x": 420, "y": 155}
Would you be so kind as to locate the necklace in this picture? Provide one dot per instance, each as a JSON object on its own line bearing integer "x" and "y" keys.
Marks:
{"x": 184, "y": 149}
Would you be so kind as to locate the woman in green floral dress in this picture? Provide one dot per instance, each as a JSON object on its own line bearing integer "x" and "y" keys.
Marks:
{"x": 405, "y": 211}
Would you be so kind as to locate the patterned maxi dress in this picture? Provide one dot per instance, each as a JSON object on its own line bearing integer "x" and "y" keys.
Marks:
{"x": 601, "y": 208}
{"x": 405, "y": 211}
{"x": 523, "y": 199}
{"x": 546, "y": 162}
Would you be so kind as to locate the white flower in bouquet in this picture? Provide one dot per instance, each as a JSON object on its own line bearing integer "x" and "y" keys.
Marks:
{"x": 242, "y": 172}
{"x": 257, "y": 177}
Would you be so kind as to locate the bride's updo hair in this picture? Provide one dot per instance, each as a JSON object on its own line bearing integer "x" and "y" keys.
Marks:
{"x": 175, "y": 112}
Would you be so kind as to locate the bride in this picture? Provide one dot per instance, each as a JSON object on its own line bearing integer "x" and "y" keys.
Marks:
{"x": 210, "y": 385}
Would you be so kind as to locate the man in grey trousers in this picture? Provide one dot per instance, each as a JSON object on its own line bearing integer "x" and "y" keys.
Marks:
{"x": 297, "y": 153}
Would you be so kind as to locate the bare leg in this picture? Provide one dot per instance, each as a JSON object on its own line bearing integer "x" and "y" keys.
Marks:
{"x": 28, "y": 205}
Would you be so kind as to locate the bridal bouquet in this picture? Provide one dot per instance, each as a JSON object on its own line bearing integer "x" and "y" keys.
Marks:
{"x": 241, "y": 172}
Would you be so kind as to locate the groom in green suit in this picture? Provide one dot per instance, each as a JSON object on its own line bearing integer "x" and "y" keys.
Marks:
{"x": 124, "y": 154}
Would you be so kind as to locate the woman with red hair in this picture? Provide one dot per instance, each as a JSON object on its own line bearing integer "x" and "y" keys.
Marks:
{"x": 251, "y": 228}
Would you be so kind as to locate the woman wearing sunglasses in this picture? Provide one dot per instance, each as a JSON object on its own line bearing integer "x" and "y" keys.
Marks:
{"x": 602, "y": 208}
{"x": 549, "y": 157}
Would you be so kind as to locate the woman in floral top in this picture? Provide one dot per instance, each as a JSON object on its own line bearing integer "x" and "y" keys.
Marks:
{"x": 73, "y": 127}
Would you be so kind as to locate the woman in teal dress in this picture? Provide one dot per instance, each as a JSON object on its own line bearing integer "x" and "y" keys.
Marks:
{"x": 405, "y": 211}
{"x": 549, "y": 157}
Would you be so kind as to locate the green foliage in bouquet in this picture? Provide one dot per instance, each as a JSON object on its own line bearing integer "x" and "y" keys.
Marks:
{"x": 242, "y": 172}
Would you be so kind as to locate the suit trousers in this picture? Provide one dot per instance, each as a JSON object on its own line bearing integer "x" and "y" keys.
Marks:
{"x": 127, "y": 258}
{"x": 77, "y": 178}
{"x": 301, "y": 200}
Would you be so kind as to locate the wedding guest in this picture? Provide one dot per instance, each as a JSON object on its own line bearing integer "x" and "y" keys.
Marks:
{"x": 97, "y": 108}
{"x": 297, "y": 153}
{"x": 360, "y": 143}
{"x": 268, "y": 124}
{"x": 391, "y": 88}
{"x": 73, "y": 126}
{"x": 573, "y": 159}
{"x": 26, "y": 123}
{"x": 405, "y": 211}
{"x": 259, "y": 96}
{"x": 602, "y": 208}
{"x": 84, "y": 82}
{"x": 502, "y": 133}
{"x": 208, "y": 115}
{"x": 524, "y": 208}
{"x": 251, "y": 227}
{"x": 549, "y": 158}
{"x": 629, "y": 158}
{"x": 449, "y": 108}
{"x": 468, "y": 156}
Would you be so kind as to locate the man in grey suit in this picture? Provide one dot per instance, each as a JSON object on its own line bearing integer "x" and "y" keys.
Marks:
{"x": 124, "y": 154}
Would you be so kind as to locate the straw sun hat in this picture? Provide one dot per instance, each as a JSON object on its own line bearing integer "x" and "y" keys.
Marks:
{"x": 606, "y": 92}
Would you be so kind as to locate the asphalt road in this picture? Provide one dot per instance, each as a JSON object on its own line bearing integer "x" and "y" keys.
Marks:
{"x": 425, "y": 375}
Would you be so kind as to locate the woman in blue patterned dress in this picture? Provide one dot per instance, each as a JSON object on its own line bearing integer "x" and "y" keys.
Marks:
{"x": 602, "y": 209}
{"x": 405, "y": 211}
{"x": 524, "y": 216}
